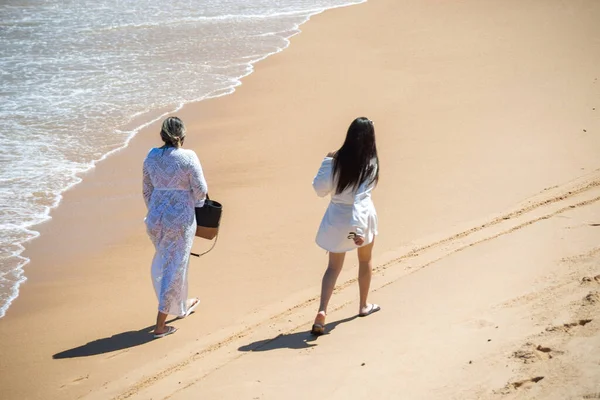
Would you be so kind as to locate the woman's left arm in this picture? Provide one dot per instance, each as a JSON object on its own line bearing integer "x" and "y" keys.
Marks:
{"x": 197, "y": 181}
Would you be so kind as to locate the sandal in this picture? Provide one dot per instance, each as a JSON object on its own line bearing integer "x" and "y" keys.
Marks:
{"x": 374, "y": 308}
{"x": 170, "y": 330}
{"x": 317, "y": 330}
{"x": 195, "y": 302}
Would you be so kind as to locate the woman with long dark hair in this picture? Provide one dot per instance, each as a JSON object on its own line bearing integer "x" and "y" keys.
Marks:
{"x": 350, "y": 222}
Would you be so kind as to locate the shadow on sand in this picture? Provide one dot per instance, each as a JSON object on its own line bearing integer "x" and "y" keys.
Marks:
{"x": 298, "y": 340}
{"x": 125, "y": 340}
{"x": 120, "y": 341}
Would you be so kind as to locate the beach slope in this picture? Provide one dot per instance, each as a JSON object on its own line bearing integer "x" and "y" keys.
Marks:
{"x": 487, "y": 117}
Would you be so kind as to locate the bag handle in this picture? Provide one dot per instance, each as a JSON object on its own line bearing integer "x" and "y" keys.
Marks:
{"x": 211, "y": 247}
{"x": 214, "y": 243}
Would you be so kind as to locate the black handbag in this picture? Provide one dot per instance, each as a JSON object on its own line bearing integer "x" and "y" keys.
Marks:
{"x": 208, "y": 218}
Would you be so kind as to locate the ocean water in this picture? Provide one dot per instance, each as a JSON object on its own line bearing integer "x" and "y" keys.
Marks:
{"x": 75, "y": 73}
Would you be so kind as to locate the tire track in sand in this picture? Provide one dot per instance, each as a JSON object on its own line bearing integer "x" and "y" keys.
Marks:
{"x": 579, "y": 193}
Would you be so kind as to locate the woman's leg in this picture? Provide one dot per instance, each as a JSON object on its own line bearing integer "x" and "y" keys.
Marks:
{"x": 161, "y": 326}
{"x": 365, "y": 270}
{"x": 336, "y": 262}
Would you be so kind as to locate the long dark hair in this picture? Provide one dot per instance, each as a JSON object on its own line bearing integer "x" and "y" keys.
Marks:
{"x": 356, "y": 161}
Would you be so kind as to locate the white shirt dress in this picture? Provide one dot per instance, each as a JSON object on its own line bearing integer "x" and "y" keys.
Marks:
{"x": 348, "y": 212}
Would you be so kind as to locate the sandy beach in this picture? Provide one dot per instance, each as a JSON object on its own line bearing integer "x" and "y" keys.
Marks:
{"x": 487, "y": 117}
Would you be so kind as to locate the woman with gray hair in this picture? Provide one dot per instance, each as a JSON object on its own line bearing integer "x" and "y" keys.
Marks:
{"x": 173, "y": 186}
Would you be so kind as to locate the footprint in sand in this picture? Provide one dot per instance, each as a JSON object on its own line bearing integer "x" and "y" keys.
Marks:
{"x": 532, "y": 353}
{"x": 591, "y": 279}
{"x": 569, "y": 326}
{"x": 519, "y": 385}
{"x": 591, "y": 299}
{"x": 75, "y": 381}
{"x": 527, "y": 383}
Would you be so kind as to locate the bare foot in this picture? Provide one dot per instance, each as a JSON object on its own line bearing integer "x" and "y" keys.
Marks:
{"x": 320, "y": 318}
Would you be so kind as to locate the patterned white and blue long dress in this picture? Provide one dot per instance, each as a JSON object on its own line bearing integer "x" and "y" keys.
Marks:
{"x": 173, "y": 185}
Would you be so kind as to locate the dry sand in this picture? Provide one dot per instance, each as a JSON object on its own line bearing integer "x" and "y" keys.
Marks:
{"x": 488, "y": 124}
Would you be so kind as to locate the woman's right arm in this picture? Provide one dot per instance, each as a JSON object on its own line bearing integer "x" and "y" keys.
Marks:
{"x": 147, "y": 187}
{"x": 323, "y": 182}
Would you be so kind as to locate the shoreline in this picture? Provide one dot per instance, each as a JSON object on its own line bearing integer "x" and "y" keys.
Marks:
{"x": 467, "y": 130}
{"x": 152, "y": 116}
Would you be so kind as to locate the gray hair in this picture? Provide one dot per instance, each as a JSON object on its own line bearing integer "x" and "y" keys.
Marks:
{"x": 172, "y": 132}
